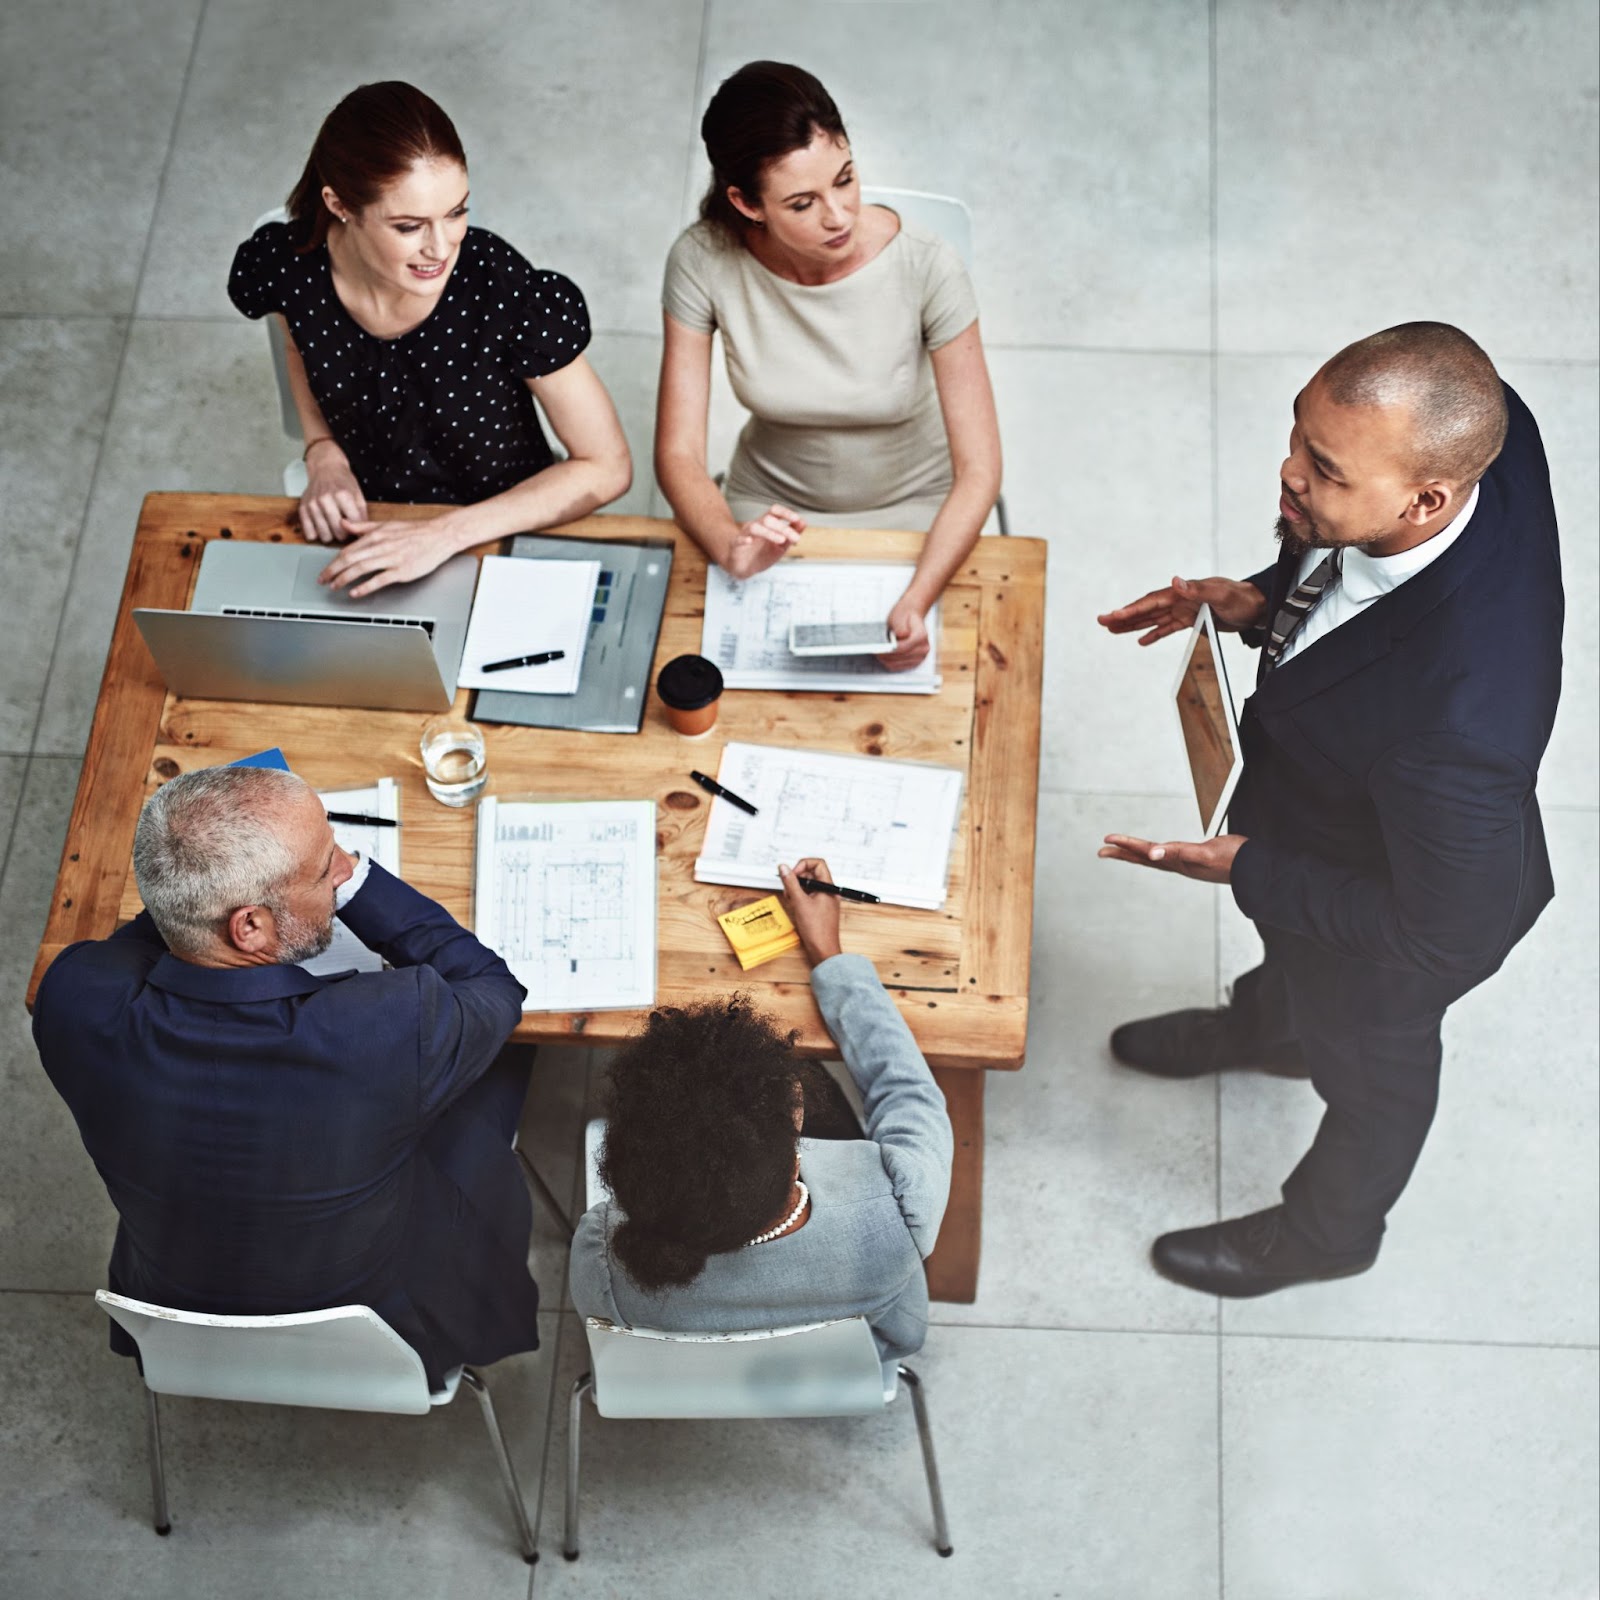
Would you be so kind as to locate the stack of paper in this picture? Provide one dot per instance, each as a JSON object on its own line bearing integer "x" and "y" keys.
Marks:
{"x": 376, "y": 844}
{"x": 525, "y": 608}
{"x": 746, "y": 630}
{"x": 759, "y": 931}
{"x": 882, "y": 826}
{"x": 566, "y": 894}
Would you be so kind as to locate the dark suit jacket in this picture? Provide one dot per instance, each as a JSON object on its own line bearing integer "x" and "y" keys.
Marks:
{"x": 275, "y": 1141}
{"x": 1395, "y": 851}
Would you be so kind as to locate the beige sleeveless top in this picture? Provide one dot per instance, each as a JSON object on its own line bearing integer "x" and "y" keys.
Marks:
{"x": 844, "y": 412}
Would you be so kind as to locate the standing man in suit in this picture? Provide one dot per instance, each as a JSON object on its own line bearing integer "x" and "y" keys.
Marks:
{"x": 1386, "y": 838}
{"x": 275, "y": 1141}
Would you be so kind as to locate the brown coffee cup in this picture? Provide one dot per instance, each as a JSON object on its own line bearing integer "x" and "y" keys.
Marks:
{"x": 689, "y": 688}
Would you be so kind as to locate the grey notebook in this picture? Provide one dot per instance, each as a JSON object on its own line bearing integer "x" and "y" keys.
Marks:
{"x": 624, "y": 624}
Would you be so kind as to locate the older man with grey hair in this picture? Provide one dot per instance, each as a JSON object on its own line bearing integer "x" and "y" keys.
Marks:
{"x": 277, "y": 1141}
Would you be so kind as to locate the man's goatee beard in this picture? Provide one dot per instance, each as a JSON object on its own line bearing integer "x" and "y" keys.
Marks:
{"x": 1292, "y": 539}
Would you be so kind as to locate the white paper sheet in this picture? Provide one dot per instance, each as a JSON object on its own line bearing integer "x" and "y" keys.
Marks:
{"x": 746, "y": 630}
{"x": 883, "y": 826}
{"x": 565, "y": 892}
{"x": 525, "y": 607}
{"x": 382, "y": 845}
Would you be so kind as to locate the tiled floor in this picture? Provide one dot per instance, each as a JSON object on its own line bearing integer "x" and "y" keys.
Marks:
{"x": 1181, "y": 208}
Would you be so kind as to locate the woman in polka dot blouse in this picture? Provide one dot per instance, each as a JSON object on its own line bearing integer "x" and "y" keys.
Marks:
{"x": 416, "y": 347}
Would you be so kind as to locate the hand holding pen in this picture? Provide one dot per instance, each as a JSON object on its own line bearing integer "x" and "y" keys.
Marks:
{"x": 815, "y": 916}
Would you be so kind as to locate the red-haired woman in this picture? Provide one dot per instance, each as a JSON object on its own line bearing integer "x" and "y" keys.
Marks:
{"x": 416, "y": 348}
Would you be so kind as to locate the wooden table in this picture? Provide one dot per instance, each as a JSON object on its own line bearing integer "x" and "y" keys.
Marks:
{"x": 959, "y": 975}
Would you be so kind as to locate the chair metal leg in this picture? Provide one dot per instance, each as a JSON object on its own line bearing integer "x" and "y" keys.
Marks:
{"x": 508, "y": 1473}
{"x": 544, "y": 1192}
{"x": 580, "y": 1391}
{"x": 919, "y": 1404}
{"x": 1000, "y": 516}
{"x": 158, "y": 1477}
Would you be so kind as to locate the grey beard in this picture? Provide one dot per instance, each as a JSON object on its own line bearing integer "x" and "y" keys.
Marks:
{"x": 299, "y": 941}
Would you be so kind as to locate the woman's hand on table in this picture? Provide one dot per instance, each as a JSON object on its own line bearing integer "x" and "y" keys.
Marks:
{"x": 909, "y": 624}
{"x": 389, "y": 552}
{"x": 758, "y": 544}
{"x": 815, "y": 915}
{"x": 332, "y": 497}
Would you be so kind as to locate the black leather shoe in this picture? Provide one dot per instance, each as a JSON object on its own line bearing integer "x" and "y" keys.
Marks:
{"x": 1189, "y": 1044}
{"x": 1247, "y": 1256}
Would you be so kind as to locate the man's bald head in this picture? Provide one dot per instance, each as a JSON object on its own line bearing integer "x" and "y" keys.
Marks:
{"x": 1444, "y": 380}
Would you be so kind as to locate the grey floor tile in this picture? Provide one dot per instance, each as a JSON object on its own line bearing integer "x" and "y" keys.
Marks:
{"x": 1498, "y": 1235}
{"x": 196, "y": 408}
{"x": 1081, "y": 1464}
{"x": 1341, "y": 211}
{"x": 1090, "y": 214}
{"x": 12, "y": 771}
{"x": 1078, "y": 431}
{"x": 265, "y": 1500}
{"x": 575, "y": 132}
{"x": 88, "y": 94}
{"x": 1066, "y": 1233}
{"x": 56, "y": 1223}
{"x": 1407, "y": 1472}
{"x": 629, "y": 365}
{"x": 1255, "y": 398}
{"x": 55, "y": 390}
{"x": 551, "y": 1136}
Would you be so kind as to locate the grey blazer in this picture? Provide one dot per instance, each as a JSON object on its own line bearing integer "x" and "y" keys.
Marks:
{"x": 876, "y": 1204}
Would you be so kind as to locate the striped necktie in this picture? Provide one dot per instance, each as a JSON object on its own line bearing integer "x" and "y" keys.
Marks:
{"x": 1297, "y": 607}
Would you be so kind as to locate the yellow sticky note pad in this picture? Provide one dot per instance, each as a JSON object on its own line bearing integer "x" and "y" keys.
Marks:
{"x": 759, "y": 931}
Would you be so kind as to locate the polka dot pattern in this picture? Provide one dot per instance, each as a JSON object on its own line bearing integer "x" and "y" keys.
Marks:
{"x": 441, "y": 414}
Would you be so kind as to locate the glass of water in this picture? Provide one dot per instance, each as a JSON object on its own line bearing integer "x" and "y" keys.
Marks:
{"x": 454, "y": 758}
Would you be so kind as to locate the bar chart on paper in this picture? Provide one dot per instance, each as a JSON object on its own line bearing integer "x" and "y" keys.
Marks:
{"x": 566, "y": 895}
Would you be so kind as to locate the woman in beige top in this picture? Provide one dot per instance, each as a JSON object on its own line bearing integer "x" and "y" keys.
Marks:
{"x": 851, "y": 339}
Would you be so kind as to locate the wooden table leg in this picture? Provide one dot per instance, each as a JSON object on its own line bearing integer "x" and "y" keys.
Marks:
{"x": 953, "y": 1266}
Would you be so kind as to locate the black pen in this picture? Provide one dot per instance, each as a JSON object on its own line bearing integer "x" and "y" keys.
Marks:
{"x": 357, "y": 820}
{"x": 816, "y": 886}
{"x": 711, "y": 786}
{"x": 537, "y": 659}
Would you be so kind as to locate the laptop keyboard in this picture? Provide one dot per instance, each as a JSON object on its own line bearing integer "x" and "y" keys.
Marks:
{"x": 425, "y": 623}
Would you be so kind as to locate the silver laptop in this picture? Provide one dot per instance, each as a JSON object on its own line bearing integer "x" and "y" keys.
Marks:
{"x": 260, "y": 627}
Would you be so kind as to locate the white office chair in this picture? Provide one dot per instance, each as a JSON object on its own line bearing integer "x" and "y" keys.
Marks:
{"x": 819, "y": 1369}
{"x": 345, "y": 1359}
{"x": 295, "y": 476}
{"x": 951, "y": 219}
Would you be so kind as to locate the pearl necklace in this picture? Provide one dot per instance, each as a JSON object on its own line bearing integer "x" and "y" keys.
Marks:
{"x": 787, "y": 1223}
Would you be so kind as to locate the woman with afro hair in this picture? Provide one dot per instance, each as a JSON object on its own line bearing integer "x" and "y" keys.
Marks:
{"x": 727, "y": 1213}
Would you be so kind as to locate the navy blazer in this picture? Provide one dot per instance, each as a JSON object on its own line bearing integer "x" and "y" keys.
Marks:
{"x": 1394, "y": 850}
{"x": 275, "y": 1141}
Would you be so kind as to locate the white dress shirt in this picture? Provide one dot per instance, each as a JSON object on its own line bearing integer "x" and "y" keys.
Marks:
{"x": 1363, "y": 579}
{"x": 351, "y": 887}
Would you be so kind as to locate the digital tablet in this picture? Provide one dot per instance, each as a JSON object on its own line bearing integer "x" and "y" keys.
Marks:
{"x": 1210, "y": 726}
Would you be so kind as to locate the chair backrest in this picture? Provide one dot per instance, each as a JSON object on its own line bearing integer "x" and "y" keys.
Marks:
{"x": 344, "y": 1359}
{"x": 942, "y": 214}
{"x": 820, "y": 1369}
{"x": 280, "y": 358}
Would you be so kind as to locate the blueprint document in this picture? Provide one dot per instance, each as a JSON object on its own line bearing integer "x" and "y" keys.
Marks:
{"x": 382, "y": 845}
{"x": 882, "y": 826}
{"x": 746, "y": 630}
{"x": 566, "y": 895}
